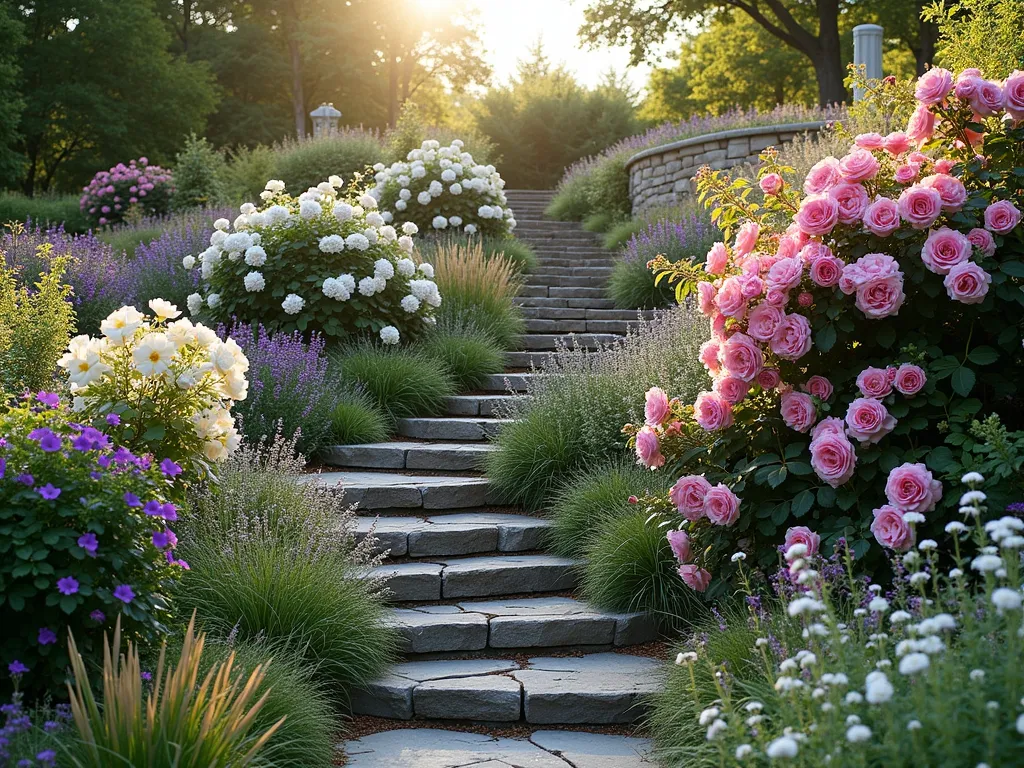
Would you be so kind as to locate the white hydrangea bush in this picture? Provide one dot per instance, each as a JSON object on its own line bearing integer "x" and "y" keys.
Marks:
{"x": 924, "y": 671}
{"x": 316, "y": 262}
{"x": 443, "y": 189}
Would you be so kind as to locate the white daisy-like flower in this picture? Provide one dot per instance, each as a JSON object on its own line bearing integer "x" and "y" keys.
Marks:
{"x": 972, "y": 497}
{"x": 254, "y": 282}
{"x": 332, "y": 244}
{"x": 955, "y": 527}
{"x": 856, "y": 734}
{"x": 913, "y": 518}
{"x": 738, "y": 556}
{"x": 689, "y": 657}
{"x": 927, "y": 545}
{"x": 899, "y": 617}
{"x": 389, "y": 334}
{"x": 914, "y": 725}
{"x": 986, "y": 563}
{"x": 164, "y": 310}
{"x": 153, "y": 354}
{"x": 878, "y": 605}
{"x": 853, "y": 697}
{"x": 293, "y": 304}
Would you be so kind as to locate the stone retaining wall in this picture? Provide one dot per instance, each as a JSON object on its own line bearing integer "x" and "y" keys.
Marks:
{"x": 663, "y": 175}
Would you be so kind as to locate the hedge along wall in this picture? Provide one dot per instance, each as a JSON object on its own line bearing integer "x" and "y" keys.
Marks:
{"x": 663, "y": 175}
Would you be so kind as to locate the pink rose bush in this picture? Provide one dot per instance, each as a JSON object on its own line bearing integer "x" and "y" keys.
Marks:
{"x": 855, "y": 324}
{"x": 109, "y": 196}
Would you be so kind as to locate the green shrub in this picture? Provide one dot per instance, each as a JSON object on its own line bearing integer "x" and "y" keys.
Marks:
{"x": 467, "y": 354}
{"x": 198, "y": 169}
{"x": 984, "y": 34}
{"x": 608, "y": 190}
{"x": 44, "y": 211}
{"x": 512, "y": 249}
{"x": 583, "y": 507}
{"x": 631, "y": 286}
{"x": 302, "y": 164}
{"x": 402, "y": 381}
{"x": 581, "y": 400}
{"x": 621, "y": 232}
{"x": 358, "y": 419}
{"x": 600, "y": 221}
{"x": 630, "y": 567}
{"x": 35, "y": 325}
{"x": 125, "y": 239}
{"x": 246, "y": 173}
{"x": 570, "y": 202}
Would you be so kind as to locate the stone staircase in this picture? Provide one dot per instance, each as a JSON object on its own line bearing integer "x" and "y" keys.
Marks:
{"x": 489, "y": 628}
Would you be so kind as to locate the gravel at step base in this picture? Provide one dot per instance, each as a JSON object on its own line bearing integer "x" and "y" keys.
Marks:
{"x": 434, "y": 748}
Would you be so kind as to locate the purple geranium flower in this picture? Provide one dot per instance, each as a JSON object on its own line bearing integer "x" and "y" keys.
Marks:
{"x": 152, "y": 508}
{"x": 123, "y": 455}
{"x": 50, "y": 726}
{"x": 3, "y": 467}
{"x": 132, "y": 500}
{"x": 51, "y": 399}
{"x": 104, "y": 461}
{"x": 113, "y": 419}
{"x": 99, "y": 616}
{"x": 169, "y": 512}
{"x": 68, "y": 585}
{"x": 170, "y": 468}
{"x": 26, "y": 479}
{"x": 47, "y": 440}
{"x": 47, "y": 636}
{"x": 17, "y": 668}
{"x": 49, "y": 492}
{"x": 160, "y": 540}
{"x": 147, "y": 676}
{"x": 124, "y": 593}
{"x": 47, "y": 757}
{"x": 89, "y": 543}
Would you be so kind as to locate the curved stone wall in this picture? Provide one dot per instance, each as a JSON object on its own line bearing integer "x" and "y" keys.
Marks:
{"x": 663, "y": 175}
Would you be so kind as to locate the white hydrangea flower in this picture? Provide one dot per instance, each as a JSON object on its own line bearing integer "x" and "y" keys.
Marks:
{"x": 188, "y": 262}
{"x": 427, "y": 270}
{"x": 485, "y": 212}
{"x": 383, "y": 268}
{"x": 404, "y": 194}
{"x": 406, "y": 267}
{"x": 455, "y": 189}
{"x": 213, "y": 300}
{"x": 218, "y": 238}
{"x": 439, "y": 222}
{"x": 401, "y": 205}
{"x": 455, "y": 221}
{"x": 194, "y": 302}
{"x": 913, "y": 663}
{"x": 309, "y": 209}
{"x": 254, "y": 282}
{"x": 334, "y": 288}
{"x": 348, "y": 282}
{"x": 410, "y": 303}
{"x": 293, "y": 303}
{"x": 255, "y": 256}
{"x": 335, "y": 181}
{"x": 332, "y": 244}
{"x": 784, "y": 747}
{"x": 470, "y": 229}
{"x": 424, "y": 198}
{"x": 406, "y": 244}
{"x": 388, "y": 233}
{"x": 409, "y": 228}
{"x": 342, "y": 212}
{"x": 374, "y": 219}
{"x": 357, "y": 241}
{"x": 276, "y": 214}
{"x": 389, "y": 334}
{"x": 221, "y": 224}
{"x": 448, "y": 175}
{"x": 275, "y": 185}
{"x": 369, "y": 202}
{"x": 367, "y": 286}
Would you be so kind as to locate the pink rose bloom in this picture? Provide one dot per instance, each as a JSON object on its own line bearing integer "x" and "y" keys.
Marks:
{"x": 987, "y": 99}
{"x": 823, "y": 175}
{"x": 771, "y": 184}
{"x": 717, "y": 258}
{"x": 881, "y": 297}
{"x": 921, "y": 125}
{"x": 688, "y": 495}
{"x": 906, "y": 173}
{"x": 833, "y": 457}
{"x": 897, "y": 142}
{"x": 827, "y": 271}
{"x": 680, "y": 544}
{"x": 882, "y": 217}
{"x": 859, "y": 165}
{"x": 788, "y": 247}
{"x": 910, "y": 379}
{"x": 801, "y": 534}
{"x": 869, "y": 141}
{"x": 870, "y": 266}
{"x": 733, "y": 389}
{"x": 982, "y": 240}
{"x": 818, "y": 214}
{"x": 785, "y": 274}
{"x": 718, "y": 326}
{"x": 1013, "y": 95}
{"x": 912, "y": 488}
{"x": 776, "y": 298}
{"x": 768, "y": 378}
{"x": 656, "y": 407}
{"x": 967, "y": 283}
{"x": 874, "y": 382}
{"x": 830, "y": 425}
{"x": 852, "y": 200}
{"x": 967, "y": 83}
{"x": 798, "y": 411}
{"x": 742, "y": 357}
{"x": 648, "y": 451}
{"x": 712, "y": 412}
{"x": 891, "y": 530}
{"x": 730, "y": 299}
{"x": 763, "y": 321}
{"x": 933, "y": 86}
{"x": 943, "y": 166}
{"x": 814, "y": 250}
{"x": 746, "y": 238}
{"x": 819, "y": 386}
{"x": 804, "y": 299}
{"x": 709, "y": 356}
{"x": 721, "y": 505}
{"x": 944, "y": 249}
{"x": 950, "y": 189}
{"x": 751, "y": 285}
{"x": 695, "y": 578}
{"x": 920, "y": 206}
{"x": 792, "y": 339}
{"x": 1001, "y": 217}
{"x": 706, "y": 298}
{"x": 868, "y": 420}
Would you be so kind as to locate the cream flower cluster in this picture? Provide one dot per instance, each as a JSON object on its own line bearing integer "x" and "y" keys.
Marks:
{"x": 353, "y": 250}
{"x": 163, "y": 364}
{"x": 444, "y": 188}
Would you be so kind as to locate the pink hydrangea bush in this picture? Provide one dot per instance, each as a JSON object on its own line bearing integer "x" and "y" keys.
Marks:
{"x": 140, "y": 186}
{"x": 859, "y": 322}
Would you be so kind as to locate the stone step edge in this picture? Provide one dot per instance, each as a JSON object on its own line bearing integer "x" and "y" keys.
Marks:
{"x": 455, "y": 534}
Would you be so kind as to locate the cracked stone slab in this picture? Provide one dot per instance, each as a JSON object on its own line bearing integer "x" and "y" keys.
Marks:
{"x": 597, "y": 689}
{"x": 493, "y": 698}
{"x": 421, "y": 671}
{"x": 452, "y": 539}
{"x": 428, "y": 632}
{"x": 487, "y": 576}
{"x": 433, "y": 748}
{"x": 596, "y": 750}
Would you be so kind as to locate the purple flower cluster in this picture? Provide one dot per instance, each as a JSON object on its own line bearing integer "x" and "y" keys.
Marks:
{"x": 288, "y": 385}
{"x": 110, "y": 194}
{"x": 17, "y": 722}
{"x": 688, "y": 237}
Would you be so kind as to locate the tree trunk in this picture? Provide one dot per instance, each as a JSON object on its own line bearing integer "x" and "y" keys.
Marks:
{"x": 392, "y": 90}
{"x": 828, "y": 61}
{"x": 927, "y": 37}
{"x": 298, "y": 100}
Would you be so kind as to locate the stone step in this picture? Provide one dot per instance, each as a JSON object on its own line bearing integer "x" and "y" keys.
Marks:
{"x": 554, "y": 292}
{"x": 393, "y": 490}
{"x": 477, "y": 405}
{"x": 450, "y": 428}
{"x": 543, "y": 325}
{"x": 597, "y": 689}
{"x": 457, "y": 457}
{"x": 504, "y": 382}
{"x": 527, "y": 359}
{"x": 450, "y": 535}
{"x": 568, "y": 281}
{"x": 441, "y": 748}
{"x": 484, "y": 576}
{"x": 542, "y": 341}
{"x": 550, "y": 301}
{"x": 572, "y": 271}
{"x": 561, "y": 260}
{"x": 531, "y": 622}
{"x": 579, "y": 313}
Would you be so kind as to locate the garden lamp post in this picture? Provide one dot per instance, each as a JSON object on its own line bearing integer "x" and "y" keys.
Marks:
{"x": 325, "y": 120}
{"x": 867, "y": 53}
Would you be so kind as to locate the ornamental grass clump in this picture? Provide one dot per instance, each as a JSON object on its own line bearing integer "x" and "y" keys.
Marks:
{"x": 860, "y": 326}
{"x": 830, "y": 668}
{"x": 403, "y": 382}
{"x": 160, "y": 384}
{"x": 316, "y": 262}
{"x": 85, "y": 537}
{"x": 468, "y": 354}
{"x": 138, "y": 186}
{"x": 357, "y": 419}
{"x": 444, "y": 188}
